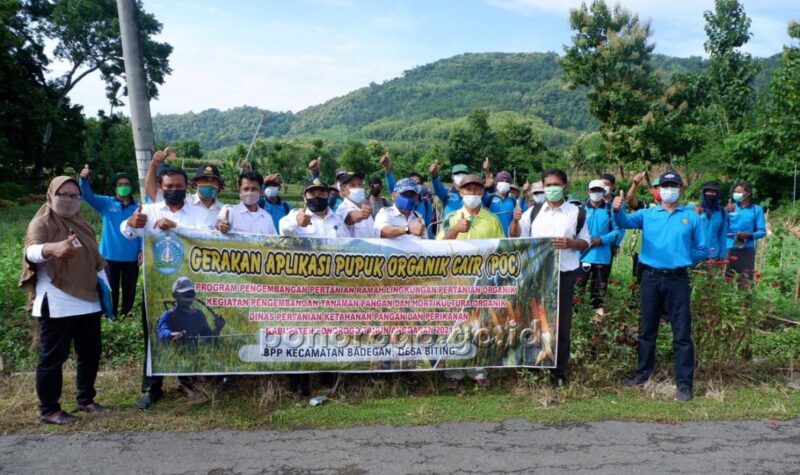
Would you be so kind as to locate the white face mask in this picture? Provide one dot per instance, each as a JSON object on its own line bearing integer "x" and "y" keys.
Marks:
{"x": 538, "y": 198}
{"x": 249, "y": 198}
{"x": 472, "y": 201}
{"x": 457, "y": 179}
{"x": 271, "y": 191}
{"x": 607, "y": 190}
{"x": 357, "y": 195}
{"x": 503, "y": 187}
{"x": 670, "y": 195}
{"x": 596, "y": 196}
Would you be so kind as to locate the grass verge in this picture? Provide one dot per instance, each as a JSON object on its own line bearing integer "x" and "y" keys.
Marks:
{"x": 264, "y": 403}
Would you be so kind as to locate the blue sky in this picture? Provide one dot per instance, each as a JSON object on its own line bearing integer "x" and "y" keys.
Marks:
{"x": 291, "y": 54}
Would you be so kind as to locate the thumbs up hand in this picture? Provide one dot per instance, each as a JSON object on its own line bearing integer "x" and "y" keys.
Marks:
{"x": 85, "y": 172}
{"x": 224, "y": 224}
{"x": 63, "y": 250}
{"x": 486, "y": 165}
{"x": 434, "y": 170}
{"x": 315, "y": 164}
{"x": 366, "y": 211}
{"x": 417, "y": 228}
{"x": 517, "y": 212}
{"x": 162, "y": 155}
{"x": 386, "y": 162}
{"x": 730, "y": 207}
{"x": 303, "y": 219}
{"x": 137, "y": 219}
{"x": 619, "y": 200}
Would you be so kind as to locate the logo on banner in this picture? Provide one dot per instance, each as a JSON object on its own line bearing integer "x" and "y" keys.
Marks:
{"x": 167, "y": 254}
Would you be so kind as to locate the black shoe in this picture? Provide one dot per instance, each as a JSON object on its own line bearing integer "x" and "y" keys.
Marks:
{"x": 148, "y": 399}
{"x": 226, "y": 383}
{"x": 636, "y": 380}
{"x": 94, "y": 408}
{"x": 59, "y": 418}
{"x": 683, "y": 395}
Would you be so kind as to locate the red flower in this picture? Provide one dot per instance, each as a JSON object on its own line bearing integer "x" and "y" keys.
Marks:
{"x": 733, "y": 258}
{"x": 776, "y": 284}
{"x": 745, "y": 285}
{"x": 633, "y": 286}
{"x": 576, "y": 300}
{"x": 615, "y": 282}
{"x": 728, "y": 279}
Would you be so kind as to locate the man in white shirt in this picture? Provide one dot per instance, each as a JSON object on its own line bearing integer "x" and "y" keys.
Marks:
{"x": 247, "y": 216}
{"x": 208, "y": 184}
{"x": 155, "y": 218}
{"x": 565, "y": 224}
{"x": 354, "y": 210}
{"x": 315, "y": 219}
{"x": 401, "y": 221}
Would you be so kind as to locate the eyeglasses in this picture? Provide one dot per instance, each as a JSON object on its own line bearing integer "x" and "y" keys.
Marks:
{"x": 69, "y": 196}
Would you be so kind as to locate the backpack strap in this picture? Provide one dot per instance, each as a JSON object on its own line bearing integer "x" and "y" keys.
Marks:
{"x": 285, "y": 207}
{"x": 581, "y": 220}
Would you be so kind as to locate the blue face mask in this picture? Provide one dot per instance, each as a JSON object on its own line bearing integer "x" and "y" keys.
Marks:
{"x": 405, "y": 203}
{"x": 670, "y": 195}
{"x": 208, "y": 192}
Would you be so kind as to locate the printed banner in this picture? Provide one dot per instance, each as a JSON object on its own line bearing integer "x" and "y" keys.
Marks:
{"x": 249, "y": 304}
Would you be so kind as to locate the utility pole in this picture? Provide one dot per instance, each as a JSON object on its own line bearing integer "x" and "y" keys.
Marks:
{"x": 143, "y": 139}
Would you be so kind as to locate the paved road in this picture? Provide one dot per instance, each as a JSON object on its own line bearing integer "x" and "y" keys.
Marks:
{"x": 509, "y": 447}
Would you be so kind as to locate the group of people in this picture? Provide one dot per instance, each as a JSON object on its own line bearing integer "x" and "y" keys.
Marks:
{"x": 62, "y": 260}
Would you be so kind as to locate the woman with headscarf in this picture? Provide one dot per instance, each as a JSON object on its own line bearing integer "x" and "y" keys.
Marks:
{"x": 714, "y": 219}
{"x": 59, "y": 272}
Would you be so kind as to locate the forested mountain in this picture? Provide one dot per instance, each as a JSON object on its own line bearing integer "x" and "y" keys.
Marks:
{"x": 423, "y": 102}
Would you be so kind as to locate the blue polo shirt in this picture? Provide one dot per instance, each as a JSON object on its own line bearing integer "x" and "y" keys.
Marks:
{"x": 424, "y": 208}
{"x": 450, "y": 199}
{"x": 113, "y": 245}
{"x": 746, "y": 220}
{"x": 503, "y": 208}
{"x": 669, "y": 240}
{"x": 277, "y": 210}
{"x": 716, "y": 227}
{"x": 620, "y": 232}
{"x": 192, "y": 321}
{"x": 600, "y": 223}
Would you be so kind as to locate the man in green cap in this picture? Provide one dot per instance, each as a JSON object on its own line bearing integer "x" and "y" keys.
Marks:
{"x": 451, "y": 199}
{"x": 122, "y": 255}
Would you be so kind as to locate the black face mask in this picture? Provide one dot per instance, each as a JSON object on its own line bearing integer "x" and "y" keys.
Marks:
{"x": 174, "y": 197}
{"x": 375, "y": 192}
{"x": 184, "y": 299}
{"x": 317, "y": 205}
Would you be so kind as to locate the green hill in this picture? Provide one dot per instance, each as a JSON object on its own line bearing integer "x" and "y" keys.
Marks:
{"x": 423, "y": 103}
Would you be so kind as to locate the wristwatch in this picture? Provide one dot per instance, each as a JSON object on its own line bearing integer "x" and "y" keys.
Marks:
{"x": 408, "y": 229}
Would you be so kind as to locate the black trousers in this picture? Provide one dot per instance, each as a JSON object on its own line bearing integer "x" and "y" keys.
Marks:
{"x": 56, "y": 337}
{"x": 122, "y": 274}
{"x": 566, "y": 292}
{"x": 674, "y": 292}
{"x": 742, "y": 262}
{"x": 598, "y": 274}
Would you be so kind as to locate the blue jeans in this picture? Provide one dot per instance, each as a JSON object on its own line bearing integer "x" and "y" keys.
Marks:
{"x": 674, "y": 289}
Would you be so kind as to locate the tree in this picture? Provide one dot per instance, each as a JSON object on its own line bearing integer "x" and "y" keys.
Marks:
{"x": 731, "y": 72}
{"x": 611, "y": 55}
{"x": 356, "y": 158}
{"x": 107, "y": 148}
{"x": 470, "y": 145}
{"x": 784, "y": 99}
{"x": 86, "y": 36}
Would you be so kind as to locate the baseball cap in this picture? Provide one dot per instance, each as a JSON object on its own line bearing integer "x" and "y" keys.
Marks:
{"x": 503, "y": 176}
{"x": 345, "y": 176}
{"x": 460, "y": 169}
{"x": 207, "y": 171}
{"x": 182, "y": 284}
{"x": 670, "y": 177}
{"x": 407, "y": 184}
{"x": 314, "y": 184}
{"x": 274, "y": 179}
{"x": 597, "y": 184}
{"x": 537, "y": 187}
{"x": 471, "y": 180}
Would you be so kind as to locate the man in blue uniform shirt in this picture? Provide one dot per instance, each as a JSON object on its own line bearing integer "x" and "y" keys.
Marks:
{"x": 272, "y": 202}
{"x": 424, "y": 207}
{"x": 500, "y": 202}
{"x": 596, "y": 261}
{"x": 451, "y": 199}
{"x": 673, "y": 238}
{"x": 123, "y": 255}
